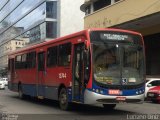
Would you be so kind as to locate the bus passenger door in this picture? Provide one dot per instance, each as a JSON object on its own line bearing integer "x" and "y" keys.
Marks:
{"x": 78, "y": 81}
{"x": 41, "y": 74}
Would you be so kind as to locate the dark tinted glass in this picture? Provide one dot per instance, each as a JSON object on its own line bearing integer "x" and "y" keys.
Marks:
{"x": 51, "y": 29}
{"x": 51, "y": 9}
{"x": 64, "y": 54}
{"x": 52, "y": 56}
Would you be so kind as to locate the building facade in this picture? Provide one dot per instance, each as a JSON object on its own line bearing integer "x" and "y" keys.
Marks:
{"x": 137, "y": 15}
{"x": 9, "y": 46}
{"x": 35, "y": 21}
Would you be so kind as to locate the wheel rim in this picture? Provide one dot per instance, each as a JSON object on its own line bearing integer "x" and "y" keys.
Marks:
{"x": 63, "y": 98}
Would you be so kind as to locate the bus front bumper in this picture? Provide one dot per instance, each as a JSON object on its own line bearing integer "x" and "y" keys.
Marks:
{"x": 91, "y": 97}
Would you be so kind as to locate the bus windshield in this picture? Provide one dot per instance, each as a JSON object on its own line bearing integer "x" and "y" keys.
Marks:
{"x": 117, "y": 63}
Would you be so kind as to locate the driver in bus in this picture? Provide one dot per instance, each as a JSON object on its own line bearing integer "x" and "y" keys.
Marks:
{"x": 110, "y": 59}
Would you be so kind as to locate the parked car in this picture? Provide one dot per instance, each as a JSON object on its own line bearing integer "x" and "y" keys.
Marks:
{"x": 154, "y": 94}
{"x": 5, "y": 81}
{"x": 2, "y": 85}
{"x": 151, "y": 83}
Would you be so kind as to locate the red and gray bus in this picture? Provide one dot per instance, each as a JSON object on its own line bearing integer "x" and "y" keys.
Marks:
{"x": 94, "y": 66}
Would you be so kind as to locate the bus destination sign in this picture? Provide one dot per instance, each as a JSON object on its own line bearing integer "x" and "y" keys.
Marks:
{"x": 108, "y": 36}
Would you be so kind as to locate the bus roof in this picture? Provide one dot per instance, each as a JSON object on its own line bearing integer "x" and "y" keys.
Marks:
{"x": 83, "y": 32}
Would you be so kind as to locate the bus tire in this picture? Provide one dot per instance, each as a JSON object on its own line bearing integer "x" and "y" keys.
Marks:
{"x": 63, "y": 99}
{"x": 109, "y": 106}
{"x": 155, "y": 101}
{"x": 20, "y": 92}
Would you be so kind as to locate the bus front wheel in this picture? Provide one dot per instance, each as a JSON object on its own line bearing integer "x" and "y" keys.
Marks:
{"x": 63, "y": 99}
{"x": 109, "y": 106}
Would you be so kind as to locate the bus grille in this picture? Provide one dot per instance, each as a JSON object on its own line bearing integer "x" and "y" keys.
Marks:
{"x": 115, "y": 101}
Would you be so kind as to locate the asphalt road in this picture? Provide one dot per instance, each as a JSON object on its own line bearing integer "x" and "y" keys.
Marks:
{"x": 13, "y": 108}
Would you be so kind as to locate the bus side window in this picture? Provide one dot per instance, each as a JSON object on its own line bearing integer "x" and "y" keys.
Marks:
{"x": 52, "y": 56}
{"x": 31, "y": 60}
{"x": 77, "y": 67}
{"x": 41, "y": 61}
{"x": 64, "y": 54}
{"x": 18, "y": 62}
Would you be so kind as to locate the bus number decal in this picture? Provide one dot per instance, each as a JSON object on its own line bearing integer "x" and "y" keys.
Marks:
{"x": 62, "y": 75}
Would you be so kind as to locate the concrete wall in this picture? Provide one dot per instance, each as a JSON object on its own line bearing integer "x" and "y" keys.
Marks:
{"x": 120, "y": 12}
{"x": 71, "y": 17}
{"x": 8, "y": 47}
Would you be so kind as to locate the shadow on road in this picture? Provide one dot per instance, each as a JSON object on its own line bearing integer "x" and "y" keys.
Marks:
{"x": 79, "y": 109}
{"x": 96, "y": 110}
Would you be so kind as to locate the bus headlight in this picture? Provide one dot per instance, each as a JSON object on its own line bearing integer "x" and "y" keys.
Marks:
{"x": 101, "y": 91}
{"x": 97, "y": 91}
{"x": 139, "y": 91}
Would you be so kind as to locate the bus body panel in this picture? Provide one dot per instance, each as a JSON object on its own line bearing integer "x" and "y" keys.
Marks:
{"x": 96, "y": 98}
{"x": 51, "y": 79}
{"x": 28, "y": 78}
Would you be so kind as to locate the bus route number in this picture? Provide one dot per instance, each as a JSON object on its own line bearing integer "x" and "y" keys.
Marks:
{"x": 62, "y": 75}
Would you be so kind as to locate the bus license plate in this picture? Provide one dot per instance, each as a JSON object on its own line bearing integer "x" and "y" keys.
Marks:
{"x": 151, "y": 95}
{"x": 121, "y": 98}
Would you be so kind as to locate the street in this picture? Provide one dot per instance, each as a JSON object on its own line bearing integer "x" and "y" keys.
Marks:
{"x": 13, "y": 107}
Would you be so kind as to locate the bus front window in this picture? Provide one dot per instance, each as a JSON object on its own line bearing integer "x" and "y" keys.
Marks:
{"x": 106, "y": 63}
{"x": 118, "y": 64}
{"x": 132, "y": 69}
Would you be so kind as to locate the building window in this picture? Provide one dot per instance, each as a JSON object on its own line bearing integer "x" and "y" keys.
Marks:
{"x": 51, "y": 29}
{"x": 64, "y": 54}
{"x": 88, "y": 10}
{"x": 116, "y": 0}
{"x": 52, "y": 56}
{"x": 18, "y": 47}
{"x": 35, "y": 34}
{"x": 100, "y": 4}
{"x": 51, "y": 9}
